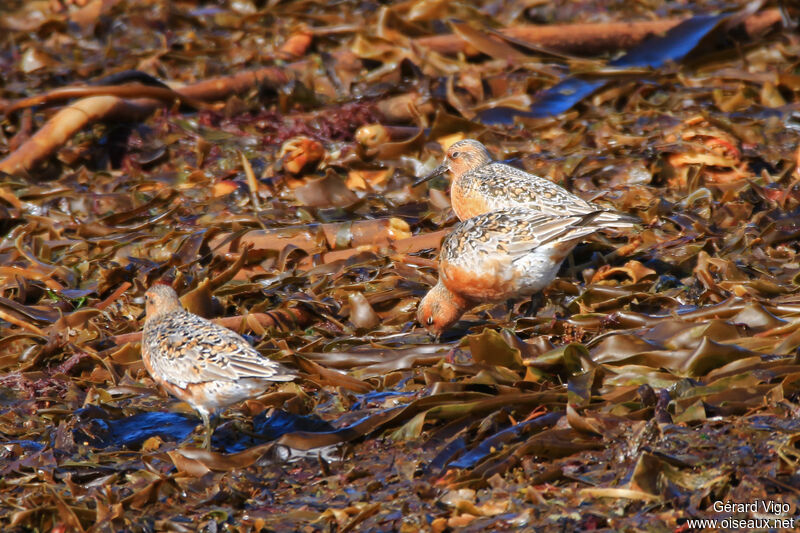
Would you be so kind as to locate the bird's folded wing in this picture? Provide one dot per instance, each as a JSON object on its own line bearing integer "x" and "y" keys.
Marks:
{"x": 544, "y": 231}
{"x": 518, "y": 187}
{"x": 191, "y": 363}
{"x": 197, "y": 351}
{"x": 239, "y": 360}
{"x": 262, "y": 367}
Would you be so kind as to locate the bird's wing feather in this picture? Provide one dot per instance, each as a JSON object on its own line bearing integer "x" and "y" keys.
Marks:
{"x": 550, "y": 231}
{"x": 508, "y": 186}
{"x": 515, "y": 231}
{"x": 504, "y": 186}
{"x": 196, "y": 350}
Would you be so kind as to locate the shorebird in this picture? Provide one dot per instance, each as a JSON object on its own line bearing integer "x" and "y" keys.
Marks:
{"x": 200, "y": 362}
{"x": 510, "y": 253}
{"x": 481, "y": 185}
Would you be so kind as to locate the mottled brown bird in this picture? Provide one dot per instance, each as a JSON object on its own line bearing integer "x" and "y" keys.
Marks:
{"x": 480, "y": 185}
{"x": 506, "y": 254}
{"x": 200, "y": 362}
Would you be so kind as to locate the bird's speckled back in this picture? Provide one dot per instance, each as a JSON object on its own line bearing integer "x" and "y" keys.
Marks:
{"x": 497, "y": 254}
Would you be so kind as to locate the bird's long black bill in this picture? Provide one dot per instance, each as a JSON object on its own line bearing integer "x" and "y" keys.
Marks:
{"x": 438, "y": 171}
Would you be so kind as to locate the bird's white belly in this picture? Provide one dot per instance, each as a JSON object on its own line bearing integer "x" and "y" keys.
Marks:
{"x": 534, "y": 271}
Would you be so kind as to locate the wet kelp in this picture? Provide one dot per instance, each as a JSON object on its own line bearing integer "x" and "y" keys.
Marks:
{"x": 270, "y": 183}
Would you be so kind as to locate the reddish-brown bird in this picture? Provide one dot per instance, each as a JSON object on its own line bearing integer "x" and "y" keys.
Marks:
{"x": 481, "y": 185}
{"x": 200, "y": 362}
{"x": 511, "y": 253}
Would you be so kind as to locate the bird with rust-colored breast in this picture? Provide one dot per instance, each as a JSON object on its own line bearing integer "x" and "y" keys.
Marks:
{"x": 501, "y": 255}
{"x": 199, "y": 362}
{"x": 479, "y": 184}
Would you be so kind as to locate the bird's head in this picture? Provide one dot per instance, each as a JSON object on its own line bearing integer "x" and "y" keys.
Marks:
{"x": 440, "y": 309}
{"x": 460, "y": 158}
{"x": 161, "y": 299}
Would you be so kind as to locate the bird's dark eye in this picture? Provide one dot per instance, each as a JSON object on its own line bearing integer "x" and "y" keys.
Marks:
{"x": 455, "y": 155}
{"x": 430, "y": 320}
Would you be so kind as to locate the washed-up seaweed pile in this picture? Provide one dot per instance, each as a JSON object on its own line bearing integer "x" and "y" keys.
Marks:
{"x": 270, "y": 183}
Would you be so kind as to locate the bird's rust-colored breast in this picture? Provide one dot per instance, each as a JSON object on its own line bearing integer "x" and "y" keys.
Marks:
{"x": 172, "y": 388}
{"x": 467, "y": 203}
{"x": 476, "y": 284}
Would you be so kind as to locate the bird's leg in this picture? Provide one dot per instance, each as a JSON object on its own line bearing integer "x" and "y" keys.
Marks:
{"x": 597, "y": 260}
{"x": 536, "y": 303}
{"x": 510, "y": 309}
{"x": 209, "y": 429}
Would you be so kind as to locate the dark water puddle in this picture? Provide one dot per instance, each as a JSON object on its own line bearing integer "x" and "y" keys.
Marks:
{"x": 774, "y": 423}
{"x": 446, "y": 455}
{"x": 497, "y": 441}
{"x": 281, "y": 423}
{"x": 230, "y": 439}
{"x": 655, "y": 52}
{"x": 364, "y": 400}
{"x": 27, "y": 445}
{"x": 100, "y": 430}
